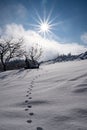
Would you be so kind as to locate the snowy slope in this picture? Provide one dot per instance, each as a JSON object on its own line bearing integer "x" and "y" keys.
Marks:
{"x": 51, "y": 98}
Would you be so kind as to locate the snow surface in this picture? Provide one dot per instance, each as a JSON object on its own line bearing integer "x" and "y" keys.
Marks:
{"x": 58, "y": 98}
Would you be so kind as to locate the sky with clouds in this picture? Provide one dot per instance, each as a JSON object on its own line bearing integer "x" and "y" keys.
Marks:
{"x": 68, "y": 17}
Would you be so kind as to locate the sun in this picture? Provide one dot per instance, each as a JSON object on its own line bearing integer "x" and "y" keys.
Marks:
{"x": 44, "y": 27}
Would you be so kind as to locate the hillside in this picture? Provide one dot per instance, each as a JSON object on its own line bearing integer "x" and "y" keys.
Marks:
{"x": 51, "y": 98}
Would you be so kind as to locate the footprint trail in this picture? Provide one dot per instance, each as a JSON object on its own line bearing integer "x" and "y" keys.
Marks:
{"x": 28, "y": 103}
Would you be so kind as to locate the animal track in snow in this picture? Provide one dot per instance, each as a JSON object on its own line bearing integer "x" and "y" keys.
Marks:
{"x": 26, "y": 101}
{"x": 29, "y": 121}
{"x": 30, "y": 97}
{"x": 31, "y": 114}
{"x": 26, "y": 109}
{"x": 29, "y": 106}
{"x": 39, "y": 128}
{"x": 27, "y": 95}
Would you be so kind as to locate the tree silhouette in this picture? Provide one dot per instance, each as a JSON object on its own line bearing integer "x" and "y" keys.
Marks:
{"x": 33, "y": 55}
{"x": 9, "y": 48}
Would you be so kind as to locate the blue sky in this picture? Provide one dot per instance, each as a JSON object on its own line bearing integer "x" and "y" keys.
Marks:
{"x": 70, "y": 14}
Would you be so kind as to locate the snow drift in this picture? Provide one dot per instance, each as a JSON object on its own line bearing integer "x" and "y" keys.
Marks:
{"x": 51, "y": 98}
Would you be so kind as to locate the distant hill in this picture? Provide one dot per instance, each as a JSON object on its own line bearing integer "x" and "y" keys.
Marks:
{"x": 69, "y": 57}
{"x": 83, "y": 56}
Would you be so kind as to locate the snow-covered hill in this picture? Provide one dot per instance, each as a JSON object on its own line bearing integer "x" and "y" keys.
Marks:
{"x": 70, "y": 57}
{"x": 83, "y": 56}
{"x": 51, "y": 98}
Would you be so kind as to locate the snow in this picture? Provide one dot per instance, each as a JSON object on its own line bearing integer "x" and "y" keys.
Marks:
{"x": 58, "y": 97}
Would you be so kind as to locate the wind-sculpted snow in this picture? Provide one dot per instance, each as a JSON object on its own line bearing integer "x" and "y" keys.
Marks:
{"x": 53, "y": 97}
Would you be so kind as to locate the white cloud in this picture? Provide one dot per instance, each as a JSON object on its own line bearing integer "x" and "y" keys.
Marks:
{"x": 51, "y": 47}
{"x": 84, "y": 37}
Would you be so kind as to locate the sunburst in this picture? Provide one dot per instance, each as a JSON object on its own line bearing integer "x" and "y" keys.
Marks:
{"x": 45, "y": 25}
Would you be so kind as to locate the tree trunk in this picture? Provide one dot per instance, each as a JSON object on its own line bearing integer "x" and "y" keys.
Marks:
{"x": 4, "y": 67}
{"x": 27, "y": 64}
{"x": 3, "y": 64}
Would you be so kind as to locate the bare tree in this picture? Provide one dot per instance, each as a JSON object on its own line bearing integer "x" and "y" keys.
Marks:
{"x": 9, "y": 48}
{"x": 33, "y": 55}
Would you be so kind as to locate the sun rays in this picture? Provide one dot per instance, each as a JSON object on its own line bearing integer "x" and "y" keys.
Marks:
{"x": 44, "y": 25}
